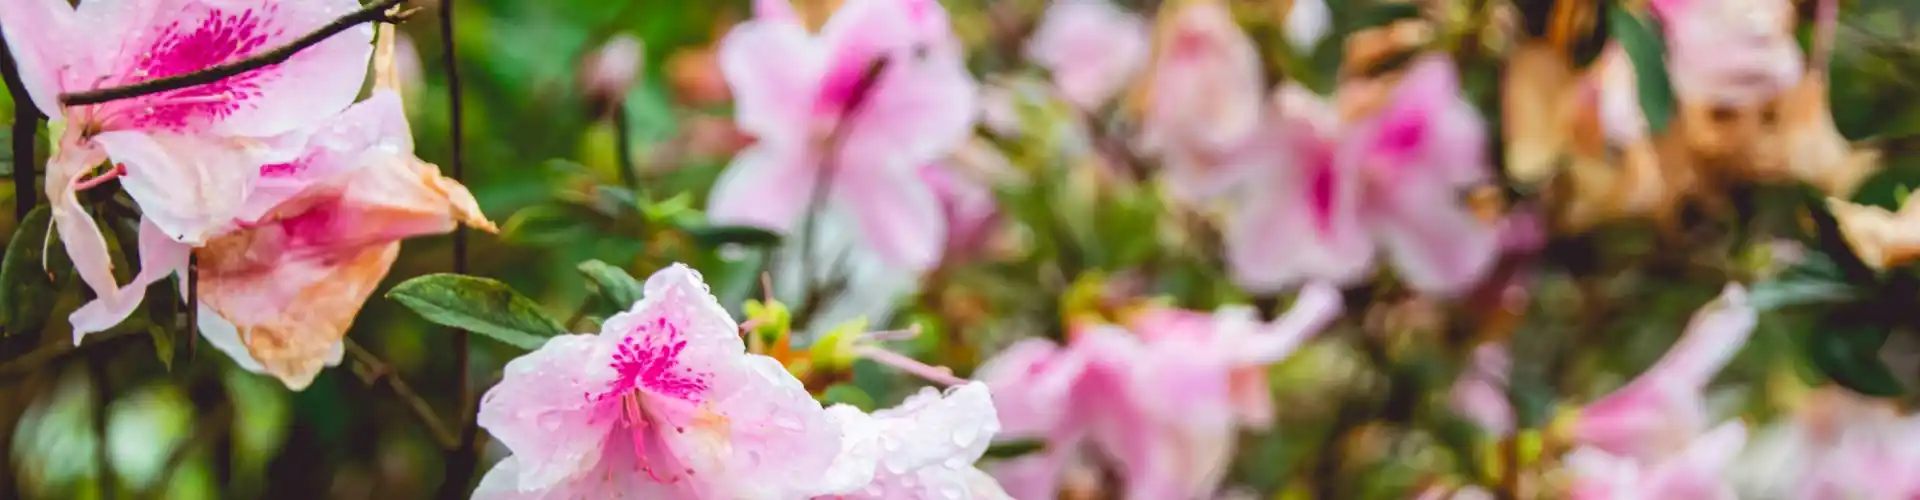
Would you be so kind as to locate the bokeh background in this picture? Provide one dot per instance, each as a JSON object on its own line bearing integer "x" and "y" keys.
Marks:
{"x": 543, "y": 148}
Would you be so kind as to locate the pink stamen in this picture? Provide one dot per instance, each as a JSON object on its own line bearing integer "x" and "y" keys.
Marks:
{"x": 936, "y": 374}
{"x": 119, "y": 169}
{"x": 892, "y": 335}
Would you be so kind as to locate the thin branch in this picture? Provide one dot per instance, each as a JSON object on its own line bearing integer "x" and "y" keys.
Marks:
{"x": 373, "y": 12}
{"x": 39, "y": 359}
{"x": 381, "y": 371}
{"x": 461, "y": 458}
{"x": 193, "y": 305}
{"x": 26, "y": 126}
{"x": 623, "y": 145}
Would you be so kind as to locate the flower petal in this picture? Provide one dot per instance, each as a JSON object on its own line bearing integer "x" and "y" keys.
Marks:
{"x": 1092, "y": 47}
{"x": 1435, "y": 242}
{"x": 541, "y": 411}
{"x": 755, "y": 420}
{"x": 190, "y": 186}
{"x": 292, "y": 314}
{"x": 39, "y": 36}
{"x": 342, "y": 144}
{"x": 898, "y": 216}
{"x": 1713, "y": 336}
{"x": 773, "y": 67}
{"x": 1031, "y": 382}
{"x": 929, "y": 443}
{"x": 160, "y": 257}
{"x": 764, "y": 187}
{"x": 1206, "y": 88}
{"x": 183, "y": 36}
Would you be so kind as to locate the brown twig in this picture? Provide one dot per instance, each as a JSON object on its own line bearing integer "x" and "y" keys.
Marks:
{"x": 26, "y": 125}
{"x": 381, "y": 371}
{"x": 40, "y": 358}
{"x": 373, "y": 12}
{"x": 193, "y": 304}
{"x": 462, "y": 457}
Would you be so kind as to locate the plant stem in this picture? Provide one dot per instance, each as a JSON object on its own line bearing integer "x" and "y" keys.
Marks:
{"x": 40, "y": 358}
{"x": 461, "y": 457}
{"x": 623, "y": 146}
{"x": 381, "y": 371}
{"x": 373, "y": 12}
{"x": 26, "y": 128}
{"x": 193, "y": 304}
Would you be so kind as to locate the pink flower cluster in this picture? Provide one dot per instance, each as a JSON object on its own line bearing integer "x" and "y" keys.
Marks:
{"x": 666, "y": 403}
{"x": 881, "y": 92}
{"x": 1161, "y": 398}
{"x": 294, "y": 197}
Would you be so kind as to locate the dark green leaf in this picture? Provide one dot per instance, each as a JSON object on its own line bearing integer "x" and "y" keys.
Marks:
{"x": 848, "y": 394}
{"x": 480, "y": 305}
{"x": 1012, "y": 449}
{"x": 26, "y": 290}
{"x": 1641, "y": 39}
{"x": 614, "y": 283}
{"x": 1850, "y": 356}
{"x": 714, "y": 236}
{"x": 162, "y": 344}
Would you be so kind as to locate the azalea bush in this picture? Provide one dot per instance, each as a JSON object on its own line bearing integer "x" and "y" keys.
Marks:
{"x": 972, "y": 249}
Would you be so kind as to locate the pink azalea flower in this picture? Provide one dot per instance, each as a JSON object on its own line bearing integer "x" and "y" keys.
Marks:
{"x": 1092, "y": 47}
{"x": 923, "y": 448}
{"x": 188, "y": 155}
{"x": 1393, "y": 179}
{"x": 1662, "y": 408}
{"x": 1206, "y": 85}
{"x": 1867, "y": 460}
{"x": 316, "y": 237}
{"x": 1693, "y": 472}
{"x": 1161, "y": 406}
{"x": 818, "y": 115}
{"x": 1731, "y": 52}
{"x": 663, "y": 403}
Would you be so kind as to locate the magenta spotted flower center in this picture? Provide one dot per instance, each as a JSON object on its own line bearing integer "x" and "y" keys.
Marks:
{"x": 181, "y": 48}
{"x": 651, "y": 387}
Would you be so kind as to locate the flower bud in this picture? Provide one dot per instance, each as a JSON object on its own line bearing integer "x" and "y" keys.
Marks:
{"x": 607, "y": 73}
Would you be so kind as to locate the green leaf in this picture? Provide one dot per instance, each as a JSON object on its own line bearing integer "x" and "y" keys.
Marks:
{"x": 1850, "y": 356}
{"x": 1814, "y": 280}
{"x": 848, "y": 394}
{"x": 1012, "y": 449}
{"x": 27, "y": 291}
{"x": 1647, "y": 50}
{"x": 162, "y": 345}
{"x": 713, "y": 236}
{"x": 614, "y": 283}
{"x": 479, "y": 305}
{"x": 547, "y": 225}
